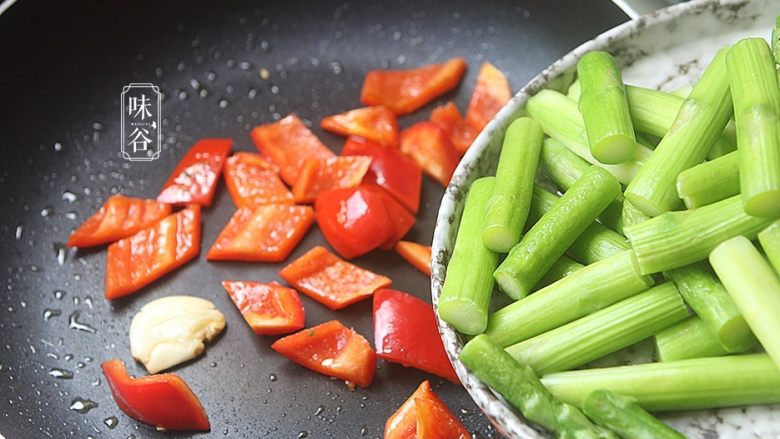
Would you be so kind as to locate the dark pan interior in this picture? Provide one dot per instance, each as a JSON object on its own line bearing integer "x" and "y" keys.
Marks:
{"x": 63, "y": 68}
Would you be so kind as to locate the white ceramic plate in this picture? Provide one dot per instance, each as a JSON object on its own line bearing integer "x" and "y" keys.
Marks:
{"x": 666, "y": 49}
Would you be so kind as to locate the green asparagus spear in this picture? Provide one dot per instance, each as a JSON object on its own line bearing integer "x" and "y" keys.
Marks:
{"x": 604, "y": 109}
{"x": 691, "y": 338}
{"x": 698, "y": 383}
{"x": 575, "y": 91}
{"x": 653, "y": 112}
{"x": 710, "y": 181}
{"x": 676, "y": 239}
{"x": 632, "y": 215}
{"x": 754, "y": 86}
{"x": 507, "y": 209}
{"x": 770, "y": 242}
{"x": 702, "y": 117}
{"x": 585, "y": 291}
{"x": 565, "y": 167}
{"x": 624, "y": 416}
{"x": 549, "y": 238}
{"x": 520, "y": 386}
{"x": 561, "y": 120}
{"x": 613, "y": 328}
{"x": 563, "y": 267}
{"x": 710, "y": 301}
{"x": 469, "y": 282}
{"x": 755, "y": 288}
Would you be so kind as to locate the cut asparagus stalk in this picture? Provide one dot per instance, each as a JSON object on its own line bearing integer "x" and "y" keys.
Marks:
{"x": 653, "y": 112}
{"x": 676, "y": 239}
{"x": 561, "y": 120}
{"x": 608, "y": 330}
{"x": 604, "y": 109}
{"x": 596, "y": 243}
{"x": 710, "y": 301}
{"x": 575, "y": 91}
{"x": 632, "y": 215}
{"x": 691, "y": 338}
{"x": 624, "y": 416}
{"x": 565, "y": 167}
{"x": 520, "y": 386}
{"x": 755, "y": 288}
{"x": 770, "y": 242}
{"x": 507, "y": 209}
{"x": 698, "y": 383}
{"x": 555, "y": 231}
{"x": 469, "y": 281}
{"x": 754, "y": 86}
{"x": 585, "y": 291}
{"x": 702, "y": 117}
{"x": 775, "y": 40}
{"x": 563, "y": 267}
{"x": 710, "y": 181}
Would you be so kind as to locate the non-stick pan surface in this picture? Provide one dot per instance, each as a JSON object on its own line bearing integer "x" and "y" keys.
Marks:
{"x": 62, "y": 69}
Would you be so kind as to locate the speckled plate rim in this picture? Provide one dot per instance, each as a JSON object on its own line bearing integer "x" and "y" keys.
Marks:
{"x": 506, "y": 420}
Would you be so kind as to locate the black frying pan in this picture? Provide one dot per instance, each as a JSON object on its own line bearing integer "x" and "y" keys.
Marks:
{"x": 63, "y": 68}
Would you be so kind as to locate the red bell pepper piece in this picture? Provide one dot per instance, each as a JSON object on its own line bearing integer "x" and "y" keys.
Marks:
{"x": 403, "y": 91}
{"x": 416, "y": 254}
{"x": 424, "y": 416}
{"x": 401, "y": 218}
{"x": 331, "y": 281}
{"x": 490, "y": 94}
{"x": 288, "y": 144}
{"x": 268, "y": 308}
{"x": 331, "y": 349}
{"x": 431, "y": 148}
{"x": 252, "y": 181}
{"x": 195, "y": 178}
{"x": 319, "y": 175}
{"x": 394, "y": 172}
{"x": 405, "y": 332}
{"x": 354, "y": 221}
{"x": 373, "y": 123}
{"x": 118, "y": 218}
{"x": 150, "y": 253}
{"x": 164, "y": 401}
{"x": 265, "y": 233}
{"x": 461, "y": 133}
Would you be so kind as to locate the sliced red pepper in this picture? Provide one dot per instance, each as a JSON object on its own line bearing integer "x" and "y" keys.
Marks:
{"x": 401, "y": 218}
{"x": 331, "y": 281}
{"x": 195, "y": 178}
{"x": 253, "y": 181}
{"x": 265, "y": 233}
{"x": 268, "y": 308}
{"x": 424, "y": 415}
{"x": 354, "y": 221}
{"x": 319, "y": 175}
{"x": 403, "y": 91}
{"x": 461, "y": 133}
{"x": 164, "y": 401}
{"x": 373, "y": 123}
{"x": 150, "y": 253}
{"x": 331, "y": 349}
{"x": 490, "y": 94}
{"x": 288, "y": 144}
{"x": 118, "y": 218}
{"x": 431, "y": 148}
{"x": 394, "y": 172}
{"x": 416, "y": 254}
{"x": 405, "y": 332}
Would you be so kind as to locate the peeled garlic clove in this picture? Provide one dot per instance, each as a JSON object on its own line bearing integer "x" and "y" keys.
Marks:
{"x": 172, "y": 330}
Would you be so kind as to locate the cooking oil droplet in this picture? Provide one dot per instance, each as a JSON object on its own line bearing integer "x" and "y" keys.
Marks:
{"x": 272, "y": 377}
{"x": 49, "y": 313}
{"x": 82, "y": 406}
{"x": 59, "y": 294}
{"x": 96, "y": 382}
{"x": 74, "y": 323}
{"x": 46, "y": 211}
{"x": 245, "y": 65}
{"x": 252, "y": 93}
{"x": 60, "y": 251}
{"x": 88, "y": 302}
{"x": 320, "y": 409}
{"x": 223, "y": 103}
{"x": 364, "y": 431}
{"x": 274, "y": 89}
{"x": 211, "y": 76}
{"x": 57, "y": 146}
{"x": 264, "y": 73}
{"x": 195, "y": 84}
{"x": 182, "y": 95}
{"x": 61, "y": 373}
{"x": 69, "y": 196}
{"x": 303, "y": 435}
{"x": 111, "y": 422}
{"x": 19, "y": 231}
